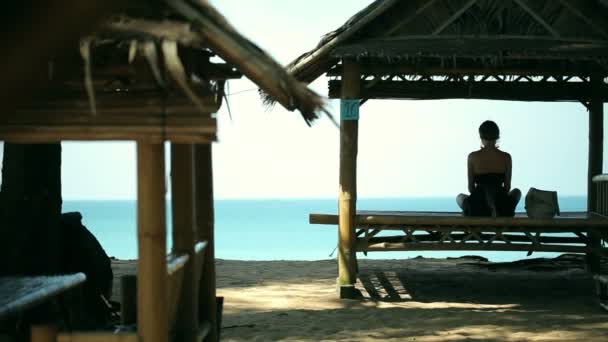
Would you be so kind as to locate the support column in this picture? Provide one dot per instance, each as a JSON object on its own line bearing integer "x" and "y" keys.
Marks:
{"x": 205, "y": 223}
{"x": 152, "y": 308}
{"x": 347, "y": 203}
{"x": 596, "y": 153}
{"x": 184, "y": 238}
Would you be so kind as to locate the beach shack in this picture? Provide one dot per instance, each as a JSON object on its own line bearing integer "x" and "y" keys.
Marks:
{"x": 517, "y": 50}
{"x": 141, "y": 71}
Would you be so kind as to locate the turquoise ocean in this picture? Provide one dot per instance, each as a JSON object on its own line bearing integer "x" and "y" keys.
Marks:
{"x": 275, "y": 229}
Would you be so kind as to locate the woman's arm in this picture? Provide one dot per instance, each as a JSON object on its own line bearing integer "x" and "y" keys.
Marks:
{"x": 508, "y": 173}
{"x": 470, "y": 174}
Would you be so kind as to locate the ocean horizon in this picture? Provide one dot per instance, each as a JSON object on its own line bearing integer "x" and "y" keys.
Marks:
{"x": 276, "y": 229}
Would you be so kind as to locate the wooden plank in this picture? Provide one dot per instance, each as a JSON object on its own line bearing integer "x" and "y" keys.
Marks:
{"x": 582, "y": 221}
{"x": 184, "y": 238}
{"x": 97, "y": 337}
{"x": 347, "y": 273}
{"x": 506, "y": 91}
{"x": 404, "y": 247}
{"x": 21, "y": 293}
{"x": 152, "y": 308}
{"x": 206, "y": 224}
{"x": 146, "y": 123}
{"x": 148, "y": 134}
{"x": 484, "y": 236}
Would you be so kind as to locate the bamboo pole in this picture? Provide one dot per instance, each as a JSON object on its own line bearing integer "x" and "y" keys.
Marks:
{"x": 184, "y": 227}
{"x": 152, "y": 316}
{"x": 596, "y": 152}
{"x": 43, "y": 333}
{"x": 347, "y": 202}
{"x": 205, "y": 224}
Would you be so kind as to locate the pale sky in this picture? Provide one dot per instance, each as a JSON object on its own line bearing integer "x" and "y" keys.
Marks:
{"x": 406, "y": 148}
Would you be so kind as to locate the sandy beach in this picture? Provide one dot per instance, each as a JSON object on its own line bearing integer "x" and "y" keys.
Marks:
{"x": 464, "y": 299}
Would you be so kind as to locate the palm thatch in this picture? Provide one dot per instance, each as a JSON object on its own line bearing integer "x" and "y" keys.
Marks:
{"x": 174, "y": 36}
{"x": 421, "y": 35}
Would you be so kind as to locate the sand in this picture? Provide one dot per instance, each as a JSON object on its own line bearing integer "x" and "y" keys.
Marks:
{"x": 409, "y": 300}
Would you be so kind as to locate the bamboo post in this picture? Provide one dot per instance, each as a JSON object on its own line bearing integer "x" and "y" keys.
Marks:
{"x": 152, "y": 316}
{"x": 596, "y": 152}
{"x": 182, "y": 199}
{"x": 347, "y": 203}
{"x": 205, "y": 223}
{"x": 43, "y": 333}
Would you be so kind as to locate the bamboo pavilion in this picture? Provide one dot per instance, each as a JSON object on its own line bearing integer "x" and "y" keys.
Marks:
{"x": 141, "y": 71}
{"x": 518, "y": 50}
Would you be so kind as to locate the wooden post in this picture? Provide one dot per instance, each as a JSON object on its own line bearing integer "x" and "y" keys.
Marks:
{"x": 152, "y": 315}
{"x": 205, "y": 224}
{"x": 184, "y": 239}
{"x": 43, "y": 333}
{"x": 347, "y": 262}
{"x": 596, "y": 153}
{"x": 30, "y": 240}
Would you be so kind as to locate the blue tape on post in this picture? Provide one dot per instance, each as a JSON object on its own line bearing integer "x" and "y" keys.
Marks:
{"x": 349, "y": 109}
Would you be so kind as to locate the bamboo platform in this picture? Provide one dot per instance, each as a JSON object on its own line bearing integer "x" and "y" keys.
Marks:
{"x": 21, "y": 293}
{"x": 417, "y": 231}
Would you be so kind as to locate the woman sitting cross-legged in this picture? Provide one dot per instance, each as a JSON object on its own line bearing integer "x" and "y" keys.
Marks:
{"x": 489, "y": 173}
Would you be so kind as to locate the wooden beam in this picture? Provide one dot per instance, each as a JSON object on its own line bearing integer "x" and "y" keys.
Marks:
{"x": 523, "y": 4}
{"x": 508, "y": 91}
{"x": 466, "y": 68}
{"x": 595, "y": 160}
{"x": 395, "y": 247}
{"x": 435, "y": 238}
{"x": 347, "y": 269}
{"x": 97, "y": 337}
{"x": 507, "y": 47}
{"x": 152, "y": 308}
{"x": 454, "y": 17}
{"x": 206, "y": 225}
{"x": 184, "y": 237}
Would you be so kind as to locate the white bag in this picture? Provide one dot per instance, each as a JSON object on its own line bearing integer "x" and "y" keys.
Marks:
{"x": 541, "y": 203}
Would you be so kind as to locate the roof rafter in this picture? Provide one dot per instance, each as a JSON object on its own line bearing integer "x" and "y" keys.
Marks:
{"x": 454, "y": 17}
{"x": 413, "y": 16}
{"x": 586, "y": 16}
{"x": 541, "y": 21}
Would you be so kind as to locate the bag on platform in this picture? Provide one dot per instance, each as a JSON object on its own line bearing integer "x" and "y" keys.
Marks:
{"x": 541, "y": 203}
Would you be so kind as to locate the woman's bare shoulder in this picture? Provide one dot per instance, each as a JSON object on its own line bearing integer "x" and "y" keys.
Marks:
{"x": 474, "y": 154}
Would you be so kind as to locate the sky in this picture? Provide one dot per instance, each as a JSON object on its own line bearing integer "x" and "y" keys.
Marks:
{"x": 406, "y": 148}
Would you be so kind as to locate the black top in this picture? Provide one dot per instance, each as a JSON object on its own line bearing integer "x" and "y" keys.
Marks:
{"x": 489, "y": 198}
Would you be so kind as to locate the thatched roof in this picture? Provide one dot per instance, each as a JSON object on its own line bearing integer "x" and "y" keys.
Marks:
{"x": 570, "y": 34}
{"x": 162, "y": 28}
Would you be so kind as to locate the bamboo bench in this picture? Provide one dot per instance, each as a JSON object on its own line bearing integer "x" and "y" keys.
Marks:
{"x": 18, "y": 294}
{"x": 418, "y": 231}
